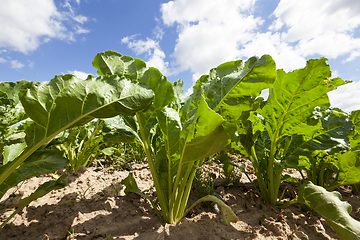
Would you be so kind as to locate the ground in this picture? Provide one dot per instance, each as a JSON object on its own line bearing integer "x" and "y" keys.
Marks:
{"x": 93, "y": 206}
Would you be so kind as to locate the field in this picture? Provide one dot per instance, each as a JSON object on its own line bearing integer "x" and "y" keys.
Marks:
{"x": 296, "y": 151}
{"x": 94, "y": 206}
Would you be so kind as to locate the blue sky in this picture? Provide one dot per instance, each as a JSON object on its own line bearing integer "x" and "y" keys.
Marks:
{"x": 182, "y": 38}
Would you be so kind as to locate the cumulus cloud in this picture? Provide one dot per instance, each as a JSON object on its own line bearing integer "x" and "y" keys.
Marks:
{"x": 2, "y": 60}
{"x": 319, "y": 27}
{"x": 151, "y": 48}
{"x": 346, "y": 97}
{"x": 28, "y": 24}
{"x": 209, "y": 32}
{"x": 212, "y": 32}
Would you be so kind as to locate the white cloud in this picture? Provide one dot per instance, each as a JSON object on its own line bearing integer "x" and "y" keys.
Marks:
{"x": 209, "y": 31}
{"x": 28, "y": 24}
{"x": 271, "y": 43}
{"x": 319, "y": 27}
{"x": 212, "y": 32}
{"x": 79, "y": 74}
{"x": 16, "y": 64}
{"x": 3, "y": 60}
{"x": 346, "y": 97}
{"x": 152, "y": 49}
{"x": 185, "y": 11}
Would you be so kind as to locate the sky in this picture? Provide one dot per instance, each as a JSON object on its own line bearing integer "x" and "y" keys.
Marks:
{"x": 182, "y": 38}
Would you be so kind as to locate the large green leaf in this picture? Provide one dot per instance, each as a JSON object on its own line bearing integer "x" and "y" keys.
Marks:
{"x": 232, "y": 87}
{"x": 119, "y": 129}
{"x": 11, "y": 113}
{"x": 203, "y": 134}
{"x": 332, "y": 135}
{"x": 40, "y": 162}
{"x": 294, "y": 96}
{"x": 170, "y": 125}
{"x": 164, "y": 95}
{"x": 114, "y": 63}
{"x": 332, "y": 209}
{"x": 349, "y": 168}
{"x": 67, "y": 101}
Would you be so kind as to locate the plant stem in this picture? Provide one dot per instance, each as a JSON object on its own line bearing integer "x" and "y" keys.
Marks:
{"x": 259, "y": 175}
{"x": 270, "y": 174}
{"x": 181, "y": 190}
{"x": 188, "y": 189}
{"x": 150, "y": 157}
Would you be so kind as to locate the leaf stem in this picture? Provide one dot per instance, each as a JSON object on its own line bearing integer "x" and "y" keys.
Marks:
{"x": 150, "y": 157}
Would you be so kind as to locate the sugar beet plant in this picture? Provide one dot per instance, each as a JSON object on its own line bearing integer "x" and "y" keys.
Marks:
{"x": 177, "y": 139}
{"x": 64, "y": 102}
{"x": 293, "y": 128}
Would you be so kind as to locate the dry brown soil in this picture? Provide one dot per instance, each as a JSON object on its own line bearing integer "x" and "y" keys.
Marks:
{"x": 93, "y": 206}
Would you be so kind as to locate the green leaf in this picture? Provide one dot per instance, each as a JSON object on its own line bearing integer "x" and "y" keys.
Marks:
{"x": 11, "y": 111}
{"x": 232, "y": 87}
{"x": 203, "y": 135}
{"x": 179, "y": 94}
{"x": 168, "y": 153}
{"x": 227, "y": 213}
{"x": 131, "y": 186}
{"x": 349, "y": 168}
{"x": 294, "y": 96}
{"x": 164, "y": 95}
{"x": 12, "y": 151}
{"x": 317, "y": 153}
{"x": 355, "y": 136}
{"x": 67, "y": 101}
{"x": 40, "y": 162}
{"x": 170, "y": 125}
{"x": 108, "y": 151}
{"x": 332, "y": 209}
{"x": 114, "y": 63}
{"x": 117, "y": 129}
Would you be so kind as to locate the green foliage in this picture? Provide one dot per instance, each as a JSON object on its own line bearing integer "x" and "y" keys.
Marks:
{"x": 174, "y": 147}
{"x": 332, "y": 209}
{"x": 11, "y": 114}
{"x": 40, "y": 162}
{"x": 322, "y": 154}
{"x": 66, "y": 102}
{"x": 293, "y": 128}
{"x": 82, "y": 144}
{"x": 285, "y": 117}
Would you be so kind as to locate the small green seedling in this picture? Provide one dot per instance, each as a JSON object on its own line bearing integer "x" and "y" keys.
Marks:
{"x": 85, "y": 193}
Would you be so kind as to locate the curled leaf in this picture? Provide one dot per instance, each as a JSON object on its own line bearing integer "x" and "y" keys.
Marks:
{"x": 332, "y": 209}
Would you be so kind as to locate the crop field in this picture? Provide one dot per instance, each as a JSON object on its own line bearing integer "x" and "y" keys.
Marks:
{"x": 127, "y": 156}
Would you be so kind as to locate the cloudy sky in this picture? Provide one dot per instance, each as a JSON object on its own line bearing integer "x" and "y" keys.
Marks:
{"x": 182, "y": 38}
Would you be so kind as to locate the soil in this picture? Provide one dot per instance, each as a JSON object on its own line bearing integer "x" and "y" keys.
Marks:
{"x": 93, "y": 206}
